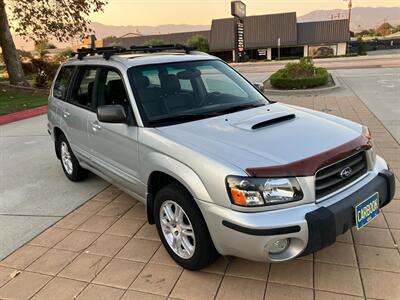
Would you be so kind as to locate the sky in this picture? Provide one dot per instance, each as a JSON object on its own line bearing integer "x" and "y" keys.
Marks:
{"x": 200, "y": 12}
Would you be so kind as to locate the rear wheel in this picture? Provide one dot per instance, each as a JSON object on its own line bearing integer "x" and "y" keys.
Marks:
{"x": 69, "y": 163}
{"x": 182, "y": 228}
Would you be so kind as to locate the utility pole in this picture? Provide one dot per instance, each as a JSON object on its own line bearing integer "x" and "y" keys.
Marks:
{"x": 350, "y": 5}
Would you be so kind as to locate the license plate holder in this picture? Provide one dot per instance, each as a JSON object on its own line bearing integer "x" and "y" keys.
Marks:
{"x": 367, "y": 210}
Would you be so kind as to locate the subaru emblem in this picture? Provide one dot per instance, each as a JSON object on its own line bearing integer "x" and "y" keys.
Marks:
{"x": 346, "y": 172}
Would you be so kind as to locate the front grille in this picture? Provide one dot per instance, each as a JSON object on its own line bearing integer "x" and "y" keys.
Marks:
{"x": 332, "y": 178}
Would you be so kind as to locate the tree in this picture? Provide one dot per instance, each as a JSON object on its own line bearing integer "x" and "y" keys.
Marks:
{"x": 10, "y": 54}
{"x": 384, "y": 29}
{"x": 63, "y": 55}
{"x": 199, "y": 42}
{"x": 38, "y": 20}
{"x": 154, "y": 42}
{"x": 42, "y": 47}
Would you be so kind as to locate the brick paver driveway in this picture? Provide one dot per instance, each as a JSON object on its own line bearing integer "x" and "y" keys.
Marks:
{"x": 106, "y": 250}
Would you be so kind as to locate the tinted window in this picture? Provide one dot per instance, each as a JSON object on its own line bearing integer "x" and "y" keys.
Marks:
{"x": 83, "y": 91}
{"x": 111, "y": 89}
{"x": 62, "y": 82}
{"x": 216, "y": 81}
{"x": 179, "y": 92}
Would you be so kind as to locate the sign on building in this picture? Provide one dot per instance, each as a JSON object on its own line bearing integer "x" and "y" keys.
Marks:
{"x": 238, "y": 9}
{"x": 262, "y": 52}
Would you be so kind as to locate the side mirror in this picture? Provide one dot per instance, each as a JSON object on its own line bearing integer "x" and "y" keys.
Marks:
{"x": 111, "y": 114}
{"x": 259, "y": 86}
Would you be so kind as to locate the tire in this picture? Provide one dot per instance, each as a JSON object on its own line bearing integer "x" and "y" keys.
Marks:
{"x": 175, "y": 196}
{"x": 69, "y": 163}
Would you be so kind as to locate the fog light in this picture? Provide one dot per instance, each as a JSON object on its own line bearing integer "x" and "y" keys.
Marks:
{"x": 279, "y": 246}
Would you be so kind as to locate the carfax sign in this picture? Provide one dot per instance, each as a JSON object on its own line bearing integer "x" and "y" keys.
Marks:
{"x": 238, "y": 9}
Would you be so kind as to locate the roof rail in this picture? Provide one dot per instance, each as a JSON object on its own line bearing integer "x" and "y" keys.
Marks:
{"x": 162, "y": 48}
{"x": 107, "y": 52}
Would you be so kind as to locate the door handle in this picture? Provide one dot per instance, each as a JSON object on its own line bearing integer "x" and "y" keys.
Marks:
{"x": 96, "y": 126}
{"x": 65, "y": 114}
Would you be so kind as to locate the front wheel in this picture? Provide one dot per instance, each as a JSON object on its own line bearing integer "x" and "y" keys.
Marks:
{"x": 182, "y": 228}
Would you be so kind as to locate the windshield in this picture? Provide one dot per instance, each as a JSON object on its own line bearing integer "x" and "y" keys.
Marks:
{"x": 180, "y": 92}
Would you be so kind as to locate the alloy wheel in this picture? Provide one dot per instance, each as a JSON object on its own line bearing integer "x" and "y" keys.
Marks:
{"x": 177, "y": 229}
{"x": 66, "y": 158}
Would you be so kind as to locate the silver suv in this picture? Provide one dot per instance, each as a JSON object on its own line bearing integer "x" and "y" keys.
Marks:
{"x": 220, "y": 168}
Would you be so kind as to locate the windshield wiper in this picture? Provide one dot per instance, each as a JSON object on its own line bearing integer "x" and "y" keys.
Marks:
{"x": 194, "y": 117}
{"x": 236, "y": 108}
{"x": 178, "y": 119}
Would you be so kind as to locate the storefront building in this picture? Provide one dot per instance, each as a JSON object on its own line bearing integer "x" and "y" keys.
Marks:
{"x": 265, "y": 37}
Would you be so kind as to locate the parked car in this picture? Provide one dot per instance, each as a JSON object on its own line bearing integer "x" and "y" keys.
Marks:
{"x": 220, "y": 168}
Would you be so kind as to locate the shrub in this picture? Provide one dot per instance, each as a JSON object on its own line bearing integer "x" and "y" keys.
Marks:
{"x": 199, "y": 42}
{"x": 154, "y": 42}
{"x": 29, "y": 68}
{"x": 362, "y": 48}
{"x": 63, "y": 56}
{"x": 49, "y": 68}
{"x": 41, "y": 80}
{"x": 300, "y": 75}
{"x": 37, "y": 65}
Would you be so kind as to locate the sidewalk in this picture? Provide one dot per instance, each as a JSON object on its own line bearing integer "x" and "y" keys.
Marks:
{"x": 106, "y": 250}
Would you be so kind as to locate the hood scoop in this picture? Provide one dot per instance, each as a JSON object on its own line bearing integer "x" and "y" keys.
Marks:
{"x": 264, "y": 120}
{"x": 273, "y": 121}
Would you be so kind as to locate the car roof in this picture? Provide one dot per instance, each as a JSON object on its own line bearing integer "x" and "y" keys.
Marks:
{"x": 131, "y": 60}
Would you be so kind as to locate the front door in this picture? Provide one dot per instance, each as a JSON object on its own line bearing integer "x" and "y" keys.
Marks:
{"x": 114, "y": 147}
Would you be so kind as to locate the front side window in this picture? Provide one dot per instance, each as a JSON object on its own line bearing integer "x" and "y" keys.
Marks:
{"x": 173, "y": 93}
{"x": 62, "y": 82}
{"x": 111, "y": 89}
{"x": 84, "y": 88}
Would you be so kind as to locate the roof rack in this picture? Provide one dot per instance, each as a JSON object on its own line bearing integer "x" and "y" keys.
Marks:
{"x": 107, "y": 52}
{"x": 162, "y": 48}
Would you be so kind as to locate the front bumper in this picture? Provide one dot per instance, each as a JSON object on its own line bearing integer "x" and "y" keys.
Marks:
{"x": 309, "y": 227}
{"x": 325, "y": 223}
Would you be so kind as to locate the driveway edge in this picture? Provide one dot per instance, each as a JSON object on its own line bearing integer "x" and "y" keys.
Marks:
{"x": 22, "y": 115}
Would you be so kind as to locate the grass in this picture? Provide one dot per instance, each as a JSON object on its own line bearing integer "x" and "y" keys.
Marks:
{"x": 11, "y": 101}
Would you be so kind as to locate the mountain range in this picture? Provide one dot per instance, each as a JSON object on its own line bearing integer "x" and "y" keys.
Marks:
{"x": 362, "y": 18}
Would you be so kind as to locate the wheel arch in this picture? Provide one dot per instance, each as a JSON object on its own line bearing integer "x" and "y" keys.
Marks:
{"x": 57, "y": 132}
{"x": 182, "y": 174}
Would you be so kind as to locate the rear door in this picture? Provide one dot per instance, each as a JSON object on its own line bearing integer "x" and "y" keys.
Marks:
{"x": 59, "y": 95}
{"x": 76, "y": 110}
{"x": 114, "y": 147}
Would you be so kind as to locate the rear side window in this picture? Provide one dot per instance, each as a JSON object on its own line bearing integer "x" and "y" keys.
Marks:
{"x": 62, "y": 82}
{"x": 83, "y": 91}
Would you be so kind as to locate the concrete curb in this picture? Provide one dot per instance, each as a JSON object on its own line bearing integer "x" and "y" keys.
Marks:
{"x": 336, "y": 84}
{"x": 24, "y": 89}
{"x": 22, "y": 115}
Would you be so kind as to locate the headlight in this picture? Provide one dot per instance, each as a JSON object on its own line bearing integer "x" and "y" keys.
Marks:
{"x": 371, "y": 152}
{"x": 249, "y": 191}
